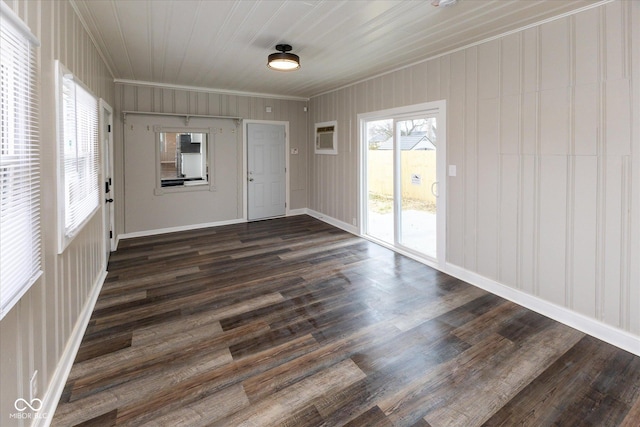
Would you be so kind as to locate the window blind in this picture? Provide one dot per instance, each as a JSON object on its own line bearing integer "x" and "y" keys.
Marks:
{"x": 20, "y": 254}
{"x": 78, "y": 156}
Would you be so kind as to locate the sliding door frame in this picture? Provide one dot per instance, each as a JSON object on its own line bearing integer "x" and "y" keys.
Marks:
{"x": 439, "y": 110}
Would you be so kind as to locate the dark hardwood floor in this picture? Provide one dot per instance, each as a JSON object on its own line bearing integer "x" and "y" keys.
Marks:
{"x": 292, "y": 322}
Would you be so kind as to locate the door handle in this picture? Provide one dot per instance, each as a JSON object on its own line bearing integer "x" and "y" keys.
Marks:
{"x": 434, "y": 185}
{"x": 250, "y": 179}
{"x": 109, "y": 201}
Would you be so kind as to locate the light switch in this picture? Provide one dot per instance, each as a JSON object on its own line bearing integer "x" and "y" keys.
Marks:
{"x": 452, "y": 170}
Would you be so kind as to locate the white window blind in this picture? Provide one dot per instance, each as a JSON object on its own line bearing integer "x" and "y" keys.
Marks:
{"x": 20, "y": 256}
{"x": 78, "y": 156}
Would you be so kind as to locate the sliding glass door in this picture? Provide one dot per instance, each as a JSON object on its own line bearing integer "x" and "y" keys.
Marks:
{"x": 418, "y": 182}
{"x": 380, "y": 203}
{"x": 402, "y": 168}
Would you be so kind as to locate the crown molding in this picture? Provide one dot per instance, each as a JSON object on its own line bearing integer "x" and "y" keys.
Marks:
{"x": 208, "y": 90}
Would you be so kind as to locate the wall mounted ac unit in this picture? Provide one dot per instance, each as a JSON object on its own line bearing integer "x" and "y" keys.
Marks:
{"x": 326, "y": 138}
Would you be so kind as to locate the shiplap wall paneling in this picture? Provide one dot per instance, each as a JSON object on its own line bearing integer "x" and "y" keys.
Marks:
{"x": 614, "y": 30}
{"x": 35, "y": 333}
{"x": 433, "y": 80}
{"x": 469, "y": 175}
{"x": 510, "y": 65}
{"x": 508, "y": 232}
{"x": 554, "y": 54}
{"x": 584, "y": 243}
{"x": 131, "y": 97}
{"x": 528, "y": 236}
{"x": 530, "y": 54}
{"x": 634, "y": 189}
{"x": 586, "y": 33}
{"x": 343, "y": 136}
{"x": 540, "y": 128}
{"x": 613, "y": 240}
{"x": 148, "y": 211}
{"x": 488, "y": 170}
{"x": 552, "y": 229}
{"x": 418, "y": 87}
{"x": 455, "y": 132}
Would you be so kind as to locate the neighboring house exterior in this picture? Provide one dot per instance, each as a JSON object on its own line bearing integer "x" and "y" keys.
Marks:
{"x": 415, "y": 141}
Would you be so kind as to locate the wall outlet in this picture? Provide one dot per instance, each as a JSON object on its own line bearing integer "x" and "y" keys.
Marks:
{"x": 353, "y": 221}
{"x": 294, "y": 151}
{"x": 33, "y": 386}
{"x": 267, "y": 109}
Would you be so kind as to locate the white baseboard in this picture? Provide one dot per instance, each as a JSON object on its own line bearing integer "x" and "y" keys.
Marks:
{"x": 588, "y": 325}
{"x": 335, "y": 222}
{"x": 60, "y": 375}
{"x": 146, "y": 233}
{"x": 294, "y": 212}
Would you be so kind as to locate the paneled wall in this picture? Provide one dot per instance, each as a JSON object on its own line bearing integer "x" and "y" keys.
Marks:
{"x": 34, "y": 334}
{"x": 543, "y": 128}
{"x": 149, "y": 209}
{"x": 131, "y": 97}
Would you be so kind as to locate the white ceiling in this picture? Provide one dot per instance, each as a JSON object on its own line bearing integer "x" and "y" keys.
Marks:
{"x": 224, "y": 45}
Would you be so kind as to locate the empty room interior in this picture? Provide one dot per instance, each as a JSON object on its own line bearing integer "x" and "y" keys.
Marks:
{"x": 320, "y": 213}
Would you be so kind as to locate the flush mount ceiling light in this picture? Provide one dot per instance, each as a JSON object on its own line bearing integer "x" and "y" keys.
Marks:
{"x": 283, "y": 60}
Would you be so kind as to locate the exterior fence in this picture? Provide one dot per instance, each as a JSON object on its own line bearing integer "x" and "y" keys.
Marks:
{"x": 418, "y": 172}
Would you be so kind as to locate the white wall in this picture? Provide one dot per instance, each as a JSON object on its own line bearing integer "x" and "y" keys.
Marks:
{"x": 227, "y": 202}
{"x": 543, "y": 127}
{"x": 35, "y": 333}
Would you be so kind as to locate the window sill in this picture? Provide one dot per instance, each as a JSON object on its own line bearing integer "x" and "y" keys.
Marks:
{"x": 187, "y": 186}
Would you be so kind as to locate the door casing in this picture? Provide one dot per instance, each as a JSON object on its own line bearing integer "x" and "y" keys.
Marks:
{"x": 429, "y": 108}
{"x": 106, "y": 148}
{"x": 245, "y": 163}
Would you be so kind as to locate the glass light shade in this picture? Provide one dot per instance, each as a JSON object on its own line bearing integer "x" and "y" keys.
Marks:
{"x": 283, "y": 61}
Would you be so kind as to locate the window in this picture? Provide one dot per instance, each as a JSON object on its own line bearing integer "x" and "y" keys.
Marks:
{"x": 78, "y": 188}
{"x": 20, "y": 259}
{"x": 326, "y": 138}
{"x": 183, "y": 159}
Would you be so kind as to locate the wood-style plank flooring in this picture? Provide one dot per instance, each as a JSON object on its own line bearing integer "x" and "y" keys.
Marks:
{"x": 291, "y": 322}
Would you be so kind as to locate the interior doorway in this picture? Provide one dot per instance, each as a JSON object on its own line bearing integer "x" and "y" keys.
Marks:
{"x": 266, "y": 177}
{"x": 403, "y": 179}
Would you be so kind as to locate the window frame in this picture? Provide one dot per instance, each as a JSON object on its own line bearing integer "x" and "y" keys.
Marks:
{"x": 334, "y": 149}
{"x": 204, "y": 185}
{"x": 66, "y": 234}
{"x": 21, "y": 245}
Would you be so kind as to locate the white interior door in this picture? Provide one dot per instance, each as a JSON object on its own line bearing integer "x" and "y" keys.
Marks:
{"x": 106, "y": 141}
{"x": 266, "y": 171}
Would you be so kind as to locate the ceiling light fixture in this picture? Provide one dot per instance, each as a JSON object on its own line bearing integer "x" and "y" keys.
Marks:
{"x": 283, "y": 60}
